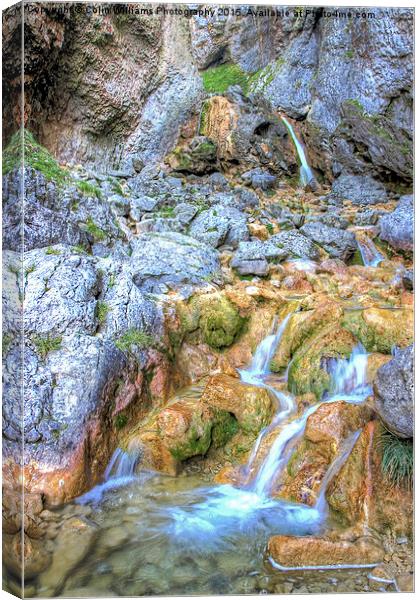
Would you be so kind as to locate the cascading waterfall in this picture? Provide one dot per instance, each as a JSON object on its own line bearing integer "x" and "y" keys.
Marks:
{"x": 221, "y": 514}
{"x": 370, "y": 254}
{"x": 306, "y": 175}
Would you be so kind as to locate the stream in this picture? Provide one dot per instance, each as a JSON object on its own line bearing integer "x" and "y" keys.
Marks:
{"x": 164, "y": 535}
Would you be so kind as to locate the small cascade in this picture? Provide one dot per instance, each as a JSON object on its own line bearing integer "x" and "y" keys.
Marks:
{"x": 306, "y": 175}
{"x": 370, "y": 254}
{"x": 122, "y": 464}
{"x": 348, "y": 383}
{"x": 260, "y": 364}
{"x": 349, "y": 375}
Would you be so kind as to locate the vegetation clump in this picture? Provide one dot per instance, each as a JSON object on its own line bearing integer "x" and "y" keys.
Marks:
{"x": 98, "y": 234}
{"x": 102, "y": 309}
{"x": 23, "y": 148}
{"x": 47, "y": 344}
{"x": 134, "y": 338}
{"x": 218, "y": 320}
{"x": 397, "y": 459}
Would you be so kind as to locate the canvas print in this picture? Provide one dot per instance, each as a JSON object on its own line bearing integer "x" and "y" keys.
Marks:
{"x": 207, "y": 299}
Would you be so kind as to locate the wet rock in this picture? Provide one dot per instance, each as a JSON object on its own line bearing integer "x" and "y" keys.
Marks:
{"x": 220, "y": 225}
{"x": 72, "y": 544}
{"x": 394, "y": 392}
{"x": 338, "y": 243}
{"x": 35, "y": 554}
{"x": 379, "y": 330}
{"x": 312, "y": 551}
{"x": 367, "y": 217}
{"x": 397, "y": 227}
{"x": 251, "y": 406}
{"x": 408, "y": 279}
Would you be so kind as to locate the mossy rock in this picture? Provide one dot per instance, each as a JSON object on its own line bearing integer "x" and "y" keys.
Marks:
{"x": 301, "y": 326}
{"x": 217, "y": 318}
{"x": 379, "y": 329}
{"x": 306, "y": 371}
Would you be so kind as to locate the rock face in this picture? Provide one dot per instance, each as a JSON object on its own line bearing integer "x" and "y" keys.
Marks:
{"x": 397, "y": 228}
{"x": 142, "y": 105}
{"x": 394, "y": 393}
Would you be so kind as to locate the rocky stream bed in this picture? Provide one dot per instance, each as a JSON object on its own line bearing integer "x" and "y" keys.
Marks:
{"x": 217, "y": 294}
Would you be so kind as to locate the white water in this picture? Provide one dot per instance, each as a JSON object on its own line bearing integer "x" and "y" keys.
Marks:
{"x": 370, "y": 254}
{"x": 215, "y": 517}
{"x": 306, "y": 175}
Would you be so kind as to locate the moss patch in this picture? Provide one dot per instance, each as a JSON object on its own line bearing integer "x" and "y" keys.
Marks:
{"x": 219, "y": 321}
{"x": 24, "y": 147}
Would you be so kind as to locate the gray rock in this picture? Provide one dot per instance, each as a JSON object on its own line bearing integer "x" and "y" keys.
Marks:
{"x": 397, "y": 227}
{"x": 172, "y": 259}
{"x": 359, "y": 189}
{"x": 338, "y": 243}
{"x": 220, "y": 225}
{"x": 185, "y": 213}
{"x": 408, "y": 279}
{"x": 394, "y": 392}
{"x": 294, "y": 244}
{"x": 250, "y": 259}
{"x": 367, "y": 217}
{"x": 138, "y": 206}
{"x": 259, "y": 179}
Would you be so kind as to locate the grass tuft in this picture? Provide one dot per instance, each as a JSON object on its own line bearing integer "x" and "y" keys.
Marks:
{"x": 47, "y": 344}
{"x": 134, "y": 337}
{"x": 397, "y": 459}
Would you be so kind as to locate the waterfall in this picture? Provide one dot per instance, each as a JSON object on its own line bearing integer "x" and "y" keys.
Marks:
{"x": 348, "y": 383}
{"x": 306, "y": 175}
{"x": 369, "y": 252}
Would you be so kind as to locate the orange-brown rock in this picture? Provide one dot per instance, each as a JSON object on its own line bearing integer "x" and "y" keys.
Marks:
{"x": 333, "y": 422}
{"x": 252, "y": 406}
{"x": 36, "y": 557}
{"x": 289, "y": 551}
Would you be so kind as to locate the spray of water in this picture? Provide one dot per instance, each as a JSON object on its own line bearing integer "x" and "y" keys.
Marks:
{"x": 370, "y": 254}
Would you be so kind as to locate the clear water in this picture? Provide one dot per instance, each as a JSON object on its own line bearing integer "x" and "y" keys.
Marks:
{"x": 177, "y": 536}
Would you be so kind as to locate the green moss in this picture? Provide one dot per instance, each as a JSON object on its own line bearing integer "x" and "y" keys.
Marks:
{"x": 270, "y": 228}
{"x": 47, "y": 344}
{"x": 380, "y": 338}
{"x": 121, "y": 421}
{"x": 24, "y": 147}
{"x": 357, "y": 258}
{"x": 203, "y": 117}
{"x": 224, "y": 429}
{"x": 218, "y": 79}
{"x": 134, "y": 338}
{"x": 88, "y": 189}
{"x": 219, "y": 321}
{"x": 94, "y": 230}
{"x": 102, "y": 309}
{"x": 197, "y": 443}
{"x": 349, "y": 54}
{"x": 54, "y": 251}
{"x": 397, "y": 459}
{"x": 79, "y": 249}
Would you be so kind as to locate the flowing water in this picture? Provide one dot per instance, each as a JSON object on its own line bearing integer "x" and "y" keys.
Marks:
{"x": 370, "y": 254}
{"x": 306, "y": 175}
{"x": 164, "y": 535}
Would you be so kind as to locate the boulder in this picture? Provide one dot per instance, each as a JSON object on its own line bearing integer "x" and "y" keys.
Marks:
{"x": 220, "y": 225}
{"x": 294, "y": 243}
{"x": 250, "y": 259}
{"x": 394, "y": 392}
{"x": 171, "y": 261}
{"x": 338, "y": 243}
{"x": 259, "y": 179}
{"x": 252, "y": 406}
{"x": 397, "y": 227}
{"x": 359, "y": 189}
